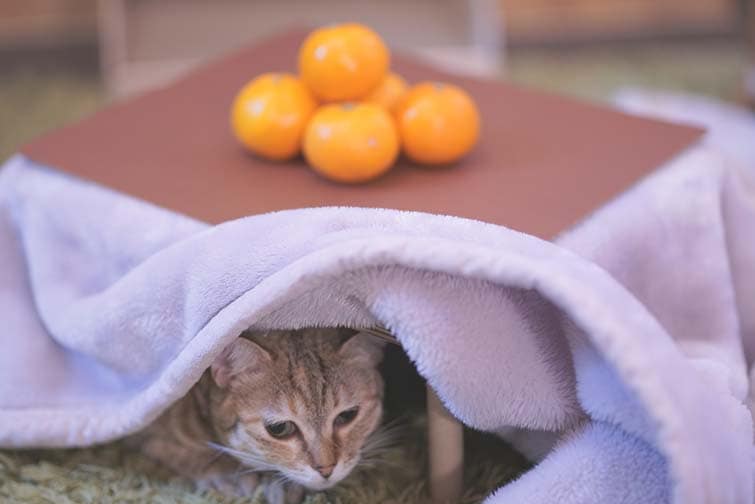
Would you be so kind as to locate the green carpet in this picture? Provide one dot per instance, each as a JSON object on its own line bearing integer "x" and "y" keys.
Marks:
{"x": 32, "y": 103}
{"x": 113, "y": 474}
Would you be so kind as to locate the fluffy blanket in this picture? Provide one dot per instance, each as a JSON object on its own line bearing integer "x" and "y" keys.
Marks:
{"x": 627, "y": 340}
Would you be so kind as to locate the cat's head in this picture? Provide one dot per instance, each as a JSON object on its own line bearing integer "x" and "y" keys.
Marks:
{"x": 302, "y": 403}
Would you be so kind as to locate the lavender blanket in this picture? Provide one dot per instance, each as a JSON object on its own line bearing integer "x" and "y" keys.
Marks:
{"x": 628, "y": 340}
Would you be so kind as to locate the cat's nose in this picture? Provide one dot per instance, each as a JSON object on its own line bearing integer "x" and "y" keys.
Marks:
{"x": 325, "y": 470}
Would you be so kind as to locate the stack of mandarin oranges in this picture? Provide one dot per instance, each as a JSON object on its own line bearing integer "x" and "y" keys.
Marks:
{"x": 349, "y": 114}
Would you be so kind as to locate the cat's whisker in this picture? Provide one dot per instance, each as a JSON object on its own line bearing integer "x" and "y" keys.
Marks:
{"x": 249, "y": 470}
{"x": 370, "y": 464}
{"x": 381, "y": 443}
{"x": 257, "y": 463}
{"x": 281, "y": 479}
{"x": 385, "y": 437}
{"x": 228, "y": 449}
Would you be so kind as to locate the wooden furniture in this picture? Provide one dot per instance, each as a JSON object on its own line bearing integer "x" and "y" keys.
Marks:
{"x": 44, "y": 23}
{"x": 748, "y": 84}
{"x": 445, "y": 435}
{"x": 542, "y": 164}
{"x": 146, "y": 43}
{"x": 568, "y": 21}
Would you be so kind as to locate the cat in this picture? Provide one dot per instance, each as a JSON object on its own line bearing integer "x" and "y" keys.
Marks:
{"x": 295, "y": 407}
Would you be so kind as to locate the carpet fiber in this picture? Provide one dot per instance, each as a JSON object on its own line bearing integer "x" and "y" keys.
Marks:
{"x": 113, "y": 474}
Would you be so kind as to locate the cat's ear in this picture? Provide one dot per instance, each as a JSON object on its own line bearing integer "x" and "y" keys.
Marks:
{"x": 364, "y": 348}
{"x": 241, "y": 355}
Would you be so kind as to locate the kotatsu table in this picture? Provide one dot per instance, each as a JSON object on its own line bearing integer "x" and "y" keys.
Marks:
{"x": 542, "y": 164}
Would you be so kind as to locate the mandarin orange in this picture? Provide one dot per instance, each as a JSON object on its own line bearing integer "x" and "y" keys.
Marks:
{"x": 270, "y": 113}
{"x": 343, "y": 62}
{"x": 438, "y": 123}
{"x": 351, "y": 142}
{"x": 389, "y": 92}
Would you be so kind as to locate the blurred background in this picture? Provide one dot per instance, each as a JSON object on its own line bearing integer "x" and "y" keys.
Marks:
{"x": 62, "y": 59}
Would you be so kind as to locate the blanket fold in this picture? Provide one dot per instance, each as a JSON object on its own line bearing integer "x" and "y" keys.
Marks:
{"x": 629, "y": 337}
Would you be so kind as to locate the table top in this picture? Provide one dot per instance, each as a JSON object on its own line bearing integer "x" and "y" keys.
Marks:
{"x": 543, "y": 161}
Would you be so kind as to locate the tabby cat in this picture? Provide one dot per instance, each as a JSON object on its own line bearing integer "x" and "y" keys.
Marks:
{"x": 293, "y": 407}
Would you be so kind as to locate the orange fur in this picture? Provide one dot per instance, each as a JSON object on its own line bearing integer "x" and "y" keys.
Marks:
{"x": 308, "y": 377}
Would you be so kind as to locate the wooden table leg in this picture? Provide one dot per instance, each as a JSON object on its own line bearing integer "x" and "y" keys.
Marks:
{"x": 446, "y": 451}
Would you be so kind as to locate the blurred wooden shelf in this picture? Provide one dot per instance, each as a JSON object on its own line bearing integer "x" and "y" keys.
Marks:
{"x": 25, "y": 23}
{"x": 149, "y": 42}
{"x": 559, "y": 21}
{"x": 170, "y": 28}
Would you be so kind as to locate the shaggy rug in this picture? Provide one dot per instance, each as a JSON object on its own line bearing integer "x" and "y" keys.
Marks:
{"x": 114, "y": 474}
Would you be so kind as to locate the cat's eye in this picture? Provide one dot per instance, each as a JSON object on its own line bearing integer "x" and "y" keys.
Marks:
{"x": 346, "y": 417}
{"x": 281, "y": 430}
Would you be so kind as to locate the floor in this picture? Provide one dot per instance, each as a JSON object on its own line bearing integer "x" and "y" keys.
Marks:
{"x": 594, "y": 73}
{"x": 33, "y": 101}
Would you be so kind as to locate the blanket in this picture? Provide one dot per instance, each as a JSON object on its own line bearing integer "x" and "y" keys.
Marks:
{"x": 618, "y": 354}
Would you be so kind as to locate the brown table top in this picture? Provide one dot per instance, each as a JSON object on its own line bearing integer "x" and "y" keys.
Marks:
{"x": 543, "y": 162}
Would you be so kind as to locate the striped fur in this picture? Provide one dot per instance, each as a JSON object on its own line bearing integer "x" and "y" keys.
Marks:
{"x": 217, "y": 433}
